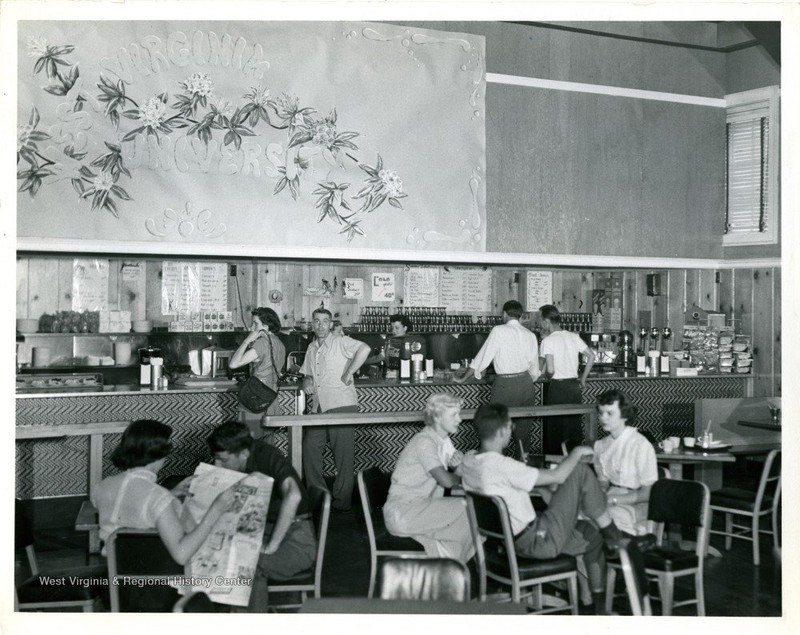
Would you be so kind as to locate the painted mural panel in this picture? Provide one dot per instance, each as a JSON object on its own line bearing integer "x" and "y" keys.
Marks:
{"x": 303, "y": 134}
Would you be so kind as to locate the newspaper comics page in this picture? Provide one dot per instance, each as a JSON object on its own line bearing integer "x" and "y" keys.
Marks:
{"x": 225, "y": 565}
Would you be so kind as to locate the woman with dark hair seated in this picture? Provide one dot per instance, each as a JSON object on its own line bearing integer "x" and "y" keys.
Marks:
{"x": 266, "y": 354}
{"x": 133, "y": 499}
{"x": 625, "y": 463}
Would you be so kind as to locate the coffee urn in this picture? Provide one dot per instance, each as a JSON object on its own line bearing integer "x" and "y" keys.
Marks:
{"x": 626, "y": 357}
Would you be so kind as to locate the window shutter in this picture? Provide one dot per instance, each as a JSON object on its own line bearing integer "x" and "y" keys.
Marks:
{"x": 747, "y": 175}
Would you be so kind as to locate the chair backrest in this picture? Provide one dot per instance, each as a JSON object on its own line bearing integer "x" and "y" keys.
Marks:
{"x": 139, "y": 554}
{"x": 410, "y": 578}
{"x": 636, "y": 582}
{"x": 491, "y": 530}
{"x": 770, "y": 482}
{"x": 373, "y": 488}
{"x": 683, "y": 502}
{"x": 23, "y": 535}
{"x": 321, "y": 512}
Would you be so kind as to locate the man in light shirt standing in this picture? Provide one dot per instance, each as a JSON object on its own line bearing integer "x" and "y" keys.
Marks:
{"x": 329, "y": 366}
{"x": 514, "y": 351}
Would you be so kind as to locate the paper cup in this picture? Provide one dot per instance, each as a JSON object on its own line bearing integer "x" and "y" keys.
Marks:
{"x": 666, "y": 445}
{"x": 688, "y": 442}
{"x": 676, "y": 442}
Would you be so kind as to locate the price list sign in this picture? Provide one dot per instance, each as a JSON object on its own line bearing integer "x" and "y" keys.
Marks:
{"x": 540, "y": 289}
{"x": 467, "y": 289}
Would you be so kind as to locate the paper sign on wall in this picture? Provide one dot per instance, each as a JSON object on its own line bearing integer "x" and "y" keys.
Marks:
{"x": 188, "y": 287}
{"x": 89, "y": 285}
{"x": 421, "y": 286}
{"x": 382, "y": 287}
{"x": 353, "y": 288}
{"x": 467, "y": 289}
{"x": 540, "y": 289}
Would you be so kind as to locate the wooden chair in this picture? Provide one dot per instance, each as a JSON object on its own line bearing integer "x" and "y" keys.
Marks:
{"x": 373, "y": 488}
{"x": 80, "y": 587}
{"x": 140, "y": 557}
{"x": 410, "y": 578}
{"x": 733, "y": 501}
{"x": 497, "y": 559}
{"x": 310, "y": 581}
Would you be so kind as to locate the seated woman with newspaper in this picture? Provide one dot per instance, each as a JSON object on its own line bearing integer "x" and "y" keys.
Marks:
{"x": 133, "y": 499}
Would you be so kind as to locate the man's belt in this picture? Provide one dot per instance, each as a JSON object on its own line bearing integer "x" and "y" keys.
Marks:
{"x": 510, "y": 375}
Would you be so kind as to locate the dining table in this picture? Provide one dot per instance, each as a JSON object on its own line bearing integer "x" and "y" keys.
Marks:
{"x": 388, "y": 607}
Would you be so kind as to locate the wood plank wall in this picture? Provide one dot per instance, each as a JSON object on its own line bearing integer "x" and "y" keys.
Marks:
{"x": 751, "y": 297}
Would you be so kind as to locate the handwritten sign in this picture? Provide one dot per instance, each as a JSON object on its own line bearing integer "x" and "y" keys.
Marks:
{"x": 421, "y": 286}
{"x": 89, "y": 285}
{"x": 353, "y": 288}
{"x": 540, "y": 289}
{"x": 466, "y": 289}
{"x": 190, "y": 287}
{"x": 382, "y": 287}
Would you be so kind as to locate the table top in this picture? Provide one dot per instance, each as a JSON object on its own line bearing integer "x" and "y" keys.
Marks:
{"x": 366, "y": 605}
{"x": 764, "y": 424}
{"x": 687, "y": 455}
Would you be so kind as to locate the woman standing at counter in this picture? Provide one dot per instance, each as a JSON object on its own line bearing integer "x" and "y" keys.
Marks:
{"x": 264, "y": 350}
{"x": 561, "y": 351}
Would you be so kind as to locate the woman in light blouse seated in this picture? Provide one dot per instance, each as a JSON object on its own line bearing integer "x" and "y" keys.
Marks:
{"x": 133, "y": 499}
{"x": 416, "y": 506}
{"x": 625, "y": 463}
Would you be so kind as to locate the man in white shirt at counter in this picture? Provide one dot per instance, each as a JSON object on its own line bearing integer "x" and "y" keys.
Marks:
{"x": 514, "y": 351}
{"x": 329, "y": 366}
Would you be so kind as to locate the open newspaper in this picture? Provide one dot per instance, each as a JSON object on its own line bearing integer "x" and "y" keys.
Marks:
{"x": 225, "y": 565}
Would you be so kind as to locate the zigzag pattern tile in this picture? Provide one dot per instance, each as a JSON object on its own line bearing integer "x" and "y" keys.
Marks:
{"x": 666, "y": 406}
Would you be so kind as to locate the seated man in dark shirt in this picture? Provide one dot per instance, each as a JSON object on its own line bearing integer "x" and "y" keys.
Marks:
{"x": 290, "y": 545}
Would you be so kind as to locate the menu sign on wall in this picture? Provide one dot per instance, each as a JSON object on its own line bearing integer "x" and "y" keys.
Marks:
{"x": 466, "y": 289}
{"x": 89, "y": 285}
{"x": 421, "y": 286}
{"x": 353, "y": 288}
{"x": 189, "y": 287}
{"x": 540, "y": 289}
{"x": 382, "y": 287}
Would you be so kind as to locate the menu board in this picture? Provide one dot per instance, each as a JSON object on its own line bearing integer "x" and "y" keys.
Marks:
{"x": 539, "y": 289}
{"x": 189, "y": 287}
{"x": 421, "y": 286}
{"x": 466, "y": 289}
{"x": 89, "y": 284}
{"x": 382, "y": 287}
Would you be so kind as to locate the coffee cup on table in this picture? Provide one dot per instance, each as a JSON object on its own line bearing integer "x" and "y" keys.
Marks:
{"x": 676, "y": 442}
{"x": 688, "y": 442}
{"x": 666, "y": 445}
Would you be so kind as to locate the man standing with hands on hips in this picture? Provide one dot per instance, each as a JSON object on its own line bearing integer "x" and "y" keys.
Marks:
{"x": 514, "y": 351}
{"x": 329, "y": 366}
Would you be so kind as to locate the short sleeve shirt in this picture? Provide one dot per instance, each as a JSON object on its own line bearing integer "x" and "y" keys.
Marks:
{"x": 271, "y": 462}
{"x": 131, "y": 499}
{"x": 263, "y": 367}
{"x": 565, "y": 347}
{"x": 324, "y": 363}
{"x": 493, "y": 474}
{"x": 411, "y": 479}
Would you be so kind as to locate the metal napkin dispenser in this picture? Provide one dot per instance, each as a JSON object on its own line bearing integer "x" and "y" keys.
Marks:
{"x": 218, "y": 361}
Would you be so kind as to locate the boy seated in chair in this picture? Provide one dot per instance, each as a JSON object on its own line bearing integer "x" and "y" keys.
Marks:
{"x": 558, "y": 529}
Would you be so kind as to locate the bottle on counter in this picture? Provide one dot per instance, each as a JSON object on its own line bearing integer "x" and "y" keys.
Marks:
{"x": 405, "y": 361}
{"x": 156, "y": 372}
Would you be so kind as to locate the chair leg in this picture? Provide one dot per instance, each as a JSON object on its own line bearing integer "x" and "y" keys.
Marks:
{"x": 372, "y": 571}
{"x": 698, "y": 589}
{"x": 775, "y": 539}
{"x": 666, "y": 586}
{"x": 611, "y": 580}
{"x": 756, "y": 531}
{"x": 728, "y": 531}
{"x": 573, "y": 594}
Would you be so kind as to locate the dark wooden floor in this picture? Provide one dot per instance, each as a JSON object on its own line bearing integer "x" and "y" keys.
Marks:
{"x": 733, "y": 585}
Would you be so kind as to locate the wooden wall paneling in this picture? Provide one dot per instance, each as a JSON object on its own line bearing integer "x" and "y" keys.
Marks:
{"x": 675, "y": 289}
{"x": 153, "y": 293}
{"x": 644, "y": 303}
{"x": 708, "y": 289}
{"x": 777, "y": 319}
{"x": 502, "y": 285}
{"x": 660, "y": 303}
{"x": 692, "y": 294}
{"x": 65, "y": 270}
{"x": 571, "y": 300}
{"x": 725, "y": 299}
{"x": 743, "y": 300}
{"x": 114, "y": 280}
{"x": 558, "y": 288}
{"x": 763, "y": 326}
{"x": 629, "y": 302}
{"x": 43, "y": 293}
{"x": 23, "y": 286}
{"x": 585, "y": 293}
